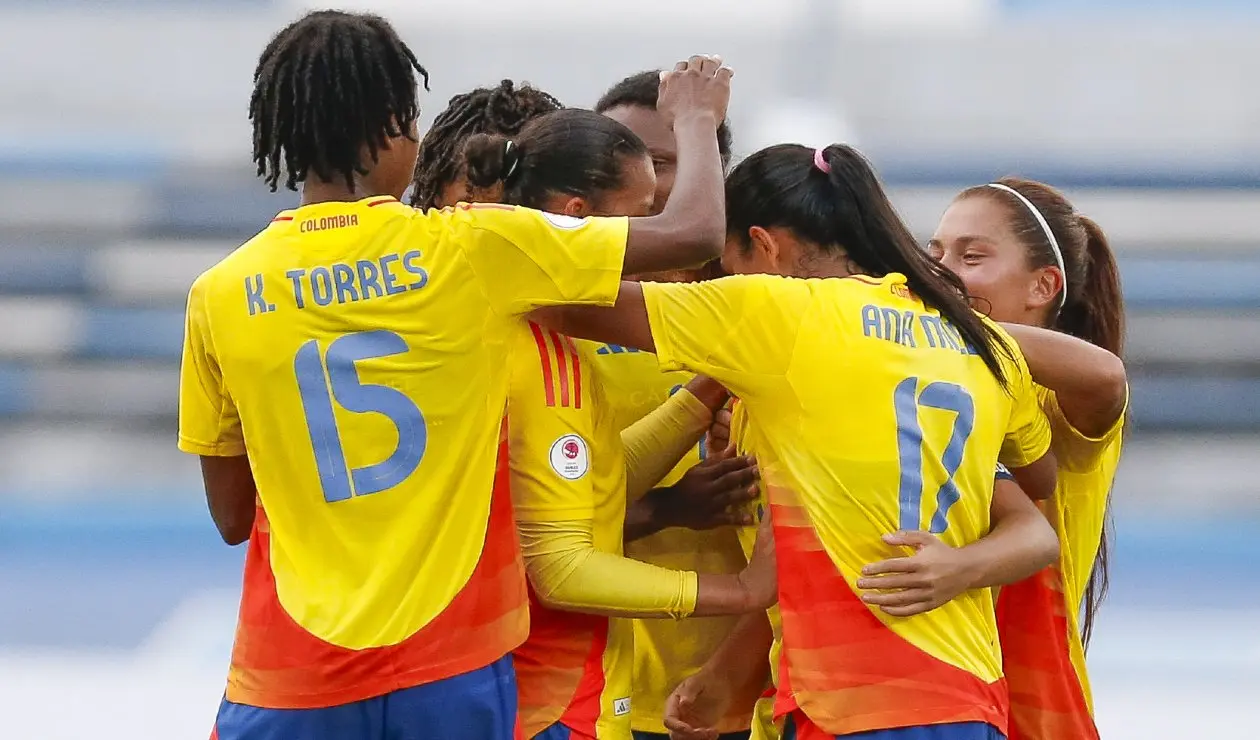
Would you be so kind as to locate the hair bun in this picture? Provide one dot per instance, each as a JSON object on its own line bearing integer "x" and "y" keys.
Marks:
{"x": 484, "y": 159}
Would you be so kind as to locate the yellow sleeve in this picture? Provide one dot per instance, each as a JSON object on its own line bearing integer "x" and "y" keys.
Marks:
{"x": 1028, "y": 431}
{"x": 738, "y": 330}
{"x": 655, "y": 443}
{"x": 208, "y": 421}
{"x": 1075, "y": 451}
{"x": 525, "y": 259}
{"x": 567, "y": 572}
{"x": 550, "y": 427}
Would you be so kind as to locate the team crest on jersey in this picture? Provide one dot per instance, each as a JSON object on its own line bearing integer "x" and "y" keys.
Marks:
{"x": 561, "y": 221}
{"x": 569, "y": 457}
{"x": 621, "y": 707}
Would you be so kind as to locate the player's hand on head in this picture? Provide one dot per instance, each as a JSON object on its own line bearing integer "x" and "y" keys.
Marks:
{"x": 918, "y": 583}
{"x": 713, "y": 493}
{"x": 702, "y": 84}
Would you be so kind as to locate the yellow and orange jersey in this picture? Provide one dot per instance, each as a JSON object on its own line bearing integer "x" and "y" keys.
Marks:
{"x": 1039, "y": 618}
{"x": 764, "y": 724}
{"x": 357, "y": 353}
{"x": 666, "y": 652}
{"x": 568, "y": 464}
{"x": 871, "y": 415}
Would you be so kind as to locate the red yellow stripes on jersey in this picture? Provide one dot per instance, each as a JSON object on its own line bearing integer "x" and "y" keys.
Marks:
{"x": 561, "y": 368}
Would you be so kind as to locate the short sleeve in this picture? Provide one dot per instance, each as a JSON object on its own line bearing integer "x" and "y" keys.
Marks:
{"x": 1028, "y": 431}
{"x": 1074, "y": 450}
{"x": 526, "y": 259}
{"x": 550, "y": 428}
{"x": 208, "y": 420}
{"x": 738, "y": 330}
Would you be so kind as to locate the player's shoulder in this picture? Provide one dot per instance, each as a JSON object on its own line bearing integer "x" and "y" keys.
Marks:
{"x": 504, "y": 219}
{"x": 235, "y": 265}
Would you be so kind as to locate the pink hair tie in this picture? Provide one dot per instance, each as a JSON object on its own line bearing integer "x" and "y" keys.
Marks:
{"x": 820, "y": 161}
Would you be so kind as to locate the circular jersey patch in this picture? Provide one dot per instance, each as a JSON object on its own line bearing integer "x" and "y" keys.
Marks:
{"x": 569, "y": 457}
{"x": 561, "y": 221}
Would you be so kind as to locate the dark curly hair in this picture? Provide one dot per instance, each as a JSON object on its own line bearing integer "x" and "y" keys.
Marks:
{"x": 326, "y": 86}
{"x": 502, "y": 110}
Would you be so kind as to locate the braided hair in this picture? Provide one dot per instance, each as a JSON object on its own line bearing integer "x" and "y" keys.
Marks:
{"x": 328, "y": 85}
{"x": 502, "y": 110}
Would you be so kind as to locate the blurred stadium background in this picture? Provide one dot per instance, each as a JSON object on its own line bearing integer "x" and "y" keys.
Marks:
{"x": 124, "y": 172}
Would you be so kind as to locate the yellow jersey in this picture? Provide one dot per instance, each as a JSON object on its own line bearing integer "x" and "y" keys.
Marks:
{"x": 568, "y": 462}
{"x": 357, "y": 353}
{"x": 764, "y": 726}
{"x": 1039, "y": 618}
{"x": 666, "y": 652}
{"x": 872, "y": 415}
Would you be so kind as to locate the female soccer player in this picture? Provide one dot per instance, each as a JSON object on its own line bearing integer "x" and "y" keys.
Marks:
{"x": 569, "y": 475}
{"x": 680, "y": 526}
{"x": 881, "y": 402}
{"x": 1030, "y": 259}
{"x": 344, "y": 369}
{"x": 439, "y": 177}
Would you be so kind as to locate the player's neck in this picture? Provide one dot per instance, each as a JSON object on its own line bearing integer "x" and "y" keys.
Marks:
{"x": 836, "y": 266}
{"x": 320, "y": 191}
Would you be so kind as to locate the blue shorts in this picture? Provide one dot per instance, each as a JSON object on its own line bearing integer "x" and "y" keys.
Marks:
{"x": 478, "y": 705}
{"x": 952, "y": 731}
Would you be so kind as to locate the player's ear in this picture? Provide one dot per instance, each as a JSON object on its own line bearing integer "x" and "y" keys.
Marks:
{"x": 1044, "y": 288}
{"x": 576, "y": 206}
{"x": 765, "y": 248}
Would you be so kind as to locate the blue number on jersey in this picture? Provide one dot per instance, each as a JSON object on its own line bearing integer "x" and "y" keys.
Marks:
{"x": 342, "y": 384}
{"x": 907, "y": 402}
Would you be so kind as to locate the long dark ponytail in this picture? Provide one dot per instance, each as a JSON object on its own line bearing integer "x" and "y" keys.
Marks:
{"x": 833, "y": 199}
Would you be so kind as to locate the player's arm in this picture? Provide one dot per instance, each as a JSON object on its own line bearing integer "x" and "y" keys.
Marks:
{"x": 1026, "y": 446}
{"x": 699, "y": 702}
{"x": 1090, "y": 383}
{"x": 210, "y": 427}
{"x": 737, "y": 330}
{"x": 706, "y": 494}
{"x": 554, "y": 502}
{"x": 1020, "y": 542}
{"x": 657, "y": 442}
{"x": 526, "y": 260}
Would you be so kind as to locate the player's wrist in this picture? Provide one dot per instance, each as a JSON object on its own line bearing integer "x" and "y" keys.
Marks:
{"x": 699, "y": 118}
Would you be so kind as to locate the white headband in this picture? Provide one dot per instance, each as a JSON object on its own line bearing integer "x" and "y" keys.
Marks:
{"x": 1045, "y": 227}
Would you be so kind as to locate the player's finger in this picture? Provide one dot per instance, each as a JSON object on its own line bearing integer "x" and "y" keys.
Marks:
{"x": 682, "y": 66}
{"x": 726, "y": 465}
{"x": 710, "y": 64}
{"x": 724, "y": 73}
{"x": 738, "y": 518}
{"x": 696, "y": 62}
{"x": 910, "y": 538}
{"x": 910, "y": 609}
{"x": 736, "y": 480}
{"x": 896, "y": 582}
{"x": 897, "y": 598}
{"x": 892, "y": 565}
{"x": 737, "y": 498}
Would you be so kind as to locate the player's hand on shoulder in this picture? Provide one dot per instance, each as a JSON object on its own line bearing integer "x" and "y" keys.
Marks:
{"x": 905, "y": 586}
{"x": 700, "y": 85}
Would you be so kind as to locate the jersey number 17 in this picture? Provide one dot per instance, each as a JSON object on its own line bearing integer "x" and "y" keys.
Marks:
{"x": 907, "y": 400}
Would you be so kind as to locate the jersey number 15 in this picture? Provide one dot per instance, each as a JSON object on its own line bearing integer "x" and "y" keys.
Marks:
{"x": 333, "y": 376}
